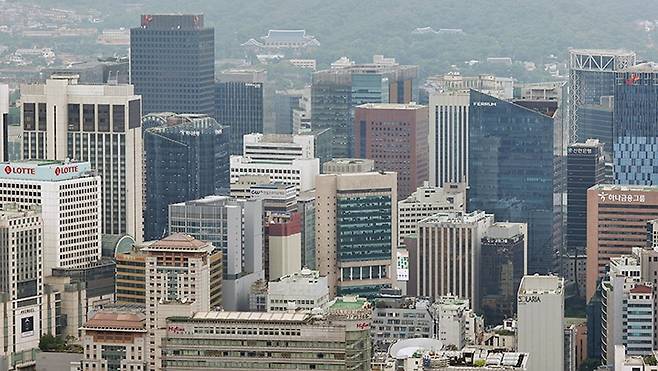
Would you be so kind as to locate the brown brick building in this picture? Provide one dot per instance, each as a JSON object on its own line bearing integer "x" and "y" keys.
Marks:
{"x": 617, "y": 219}
{"x": 395, "y": 137}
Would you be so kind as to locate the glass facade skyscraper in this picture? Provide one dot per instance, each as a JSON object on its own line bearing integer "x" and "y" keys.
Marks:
{"x": 186, "y": 158}
{"x": 172, "y": 63}
{"x": 511, "y": 170}
{"x": 239, "y": 105}
{"x": 635, "y": 132}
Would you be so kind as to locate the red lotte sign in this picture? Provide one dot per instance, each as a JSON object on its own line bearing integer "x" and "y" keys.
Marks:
{"x": 66, "y": 169}
{"x": 20, "y": 170}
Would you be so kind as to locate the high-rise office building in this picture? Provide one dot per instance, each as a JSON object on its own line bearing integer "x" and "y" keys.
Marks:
{"x": 236, "y": 228}
{"x": 448, "y": 137}
{"x": 239, "y": 104}
{"x": 356, "y": 231}
{"x": 511, "y": 168}
{"x": 503, "y": 262}
{"x": 4, "y": 122}
{"x": 300, "y": 291}
{"x": 69, "y": 195}
{"x": 585, "y": 168}
{"x": 179, "y": 269}
{"x": 635, "y": 142}
{"x": 172, "y": 63}
{"x": 21, "y": 284}
{"x": 395, "y": 137}
{"x": 595, "y": 121}
{"x": 427, "y": 201}
{"x": 185, "y": 158}
{"x": 335, "y": 93}
{"x": 97, "y": 123}
{"x": 591, "y": 77}
{"x": 447, "y": 255}
{"x": 607, "y": 235}
{"x": 541, "y": 321}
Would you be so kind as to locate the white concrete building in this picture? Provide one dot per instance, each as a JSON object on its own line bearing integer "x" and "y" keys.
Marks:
{"x": 449, "y": 123}
{"x": 287, "y": 159}
{"x": 458, "y": 324}
{"x": 301, "y": 291}
{"x": 448, "y": 254}
{"x": 69, "y": 195}
{"x": 626, "y": 362}
{"x": 21, "y": 282}
{"x": 299, "y": 172}
{"x": 97, "y": 123}
{"x": 278, "y": 147}
{"x": 541, "y": 321}
{"x": 427, "y": 201}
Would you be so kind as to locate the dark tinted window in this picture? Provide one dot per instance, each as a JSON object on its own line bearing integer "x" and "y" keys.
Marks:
{"x": 119, "y": 117}
{"x": 134, "y": 114}
{"x": 74, "y": 117}
{"x": 103, "y": 117}
{"x": 42, "y": 116}
{"x": 29, "y": 116}
{"x": 88, "y": 117}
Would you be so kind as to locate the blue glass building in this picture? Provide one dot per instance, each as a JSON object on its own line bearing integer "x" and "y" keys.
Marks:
{"x": 511, "y": 170}
{"x": 186, "y": 158}
{"x": 635, "y": 129}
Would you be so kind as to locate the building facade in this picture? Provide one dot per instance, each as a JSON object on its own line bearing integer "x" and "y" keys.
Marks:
{"x": 69, "y": 196}
{"x": 185, "y": 158}
{"x": 214, "y": 341}
{"x": 395, "y": 136}
{"x": 239, "y": 104}
{"x": 448, "y": 137}
{"x": 172, "y": 63}
{"x": 511, "y": 170}
{"x": 591, "y": 77}
{"x": 607, "y": 235}
{"x": 504, "y": 253}
{"x": 301, "y": 291}
{"x": 635, "y": 147}
{"x": 335, "y": 93}
{"x": 21, "y": 284}
{"x": 541, "y": 321}
{"x": 447, "y": 255}
{"x": 95, "y": 123}
{"x": 356, "y": 231}
{"x": 236, "y": 228}
{"x": 426, "y": 201}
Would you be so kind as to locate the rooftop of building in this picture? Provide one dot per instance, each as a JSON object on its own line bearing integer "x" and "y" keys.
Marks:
{"x": 650, "y": 67}
{"x": 589, "y": 143}
{"x": 455, "y": 217}
{"x": 624, "y": 188}
{"x": 116, "y": 320}
{"x": 179, "y": 242}
{"x": 602, "y": 52}
{"x": 642, "y": 289}
{"x": 536, "y": 284}
{"x": 412, "y": 106}
{"x": 250, "y": 316}
{"x": 349, "y": 303}
{"x": 305, "y": 274}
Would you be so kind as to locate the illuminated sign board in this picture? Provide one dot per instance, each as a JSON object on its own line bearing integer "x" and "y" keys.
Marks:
{"x": 622, "y": 198}
{"x": 484, "y": 104}
{"x": 43, "y": 171}
{"x": 529, "y": 299}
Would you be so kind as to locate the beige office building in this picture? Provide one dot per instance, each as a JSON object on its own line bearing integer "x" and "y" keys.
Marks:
{"x": 62, "y": 119}
{"x": 356, "y": 231}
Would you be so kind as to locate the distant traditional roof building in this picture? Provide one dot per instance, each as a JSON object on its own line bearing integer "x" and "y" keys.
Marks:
{"x": 280, "y": 40}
